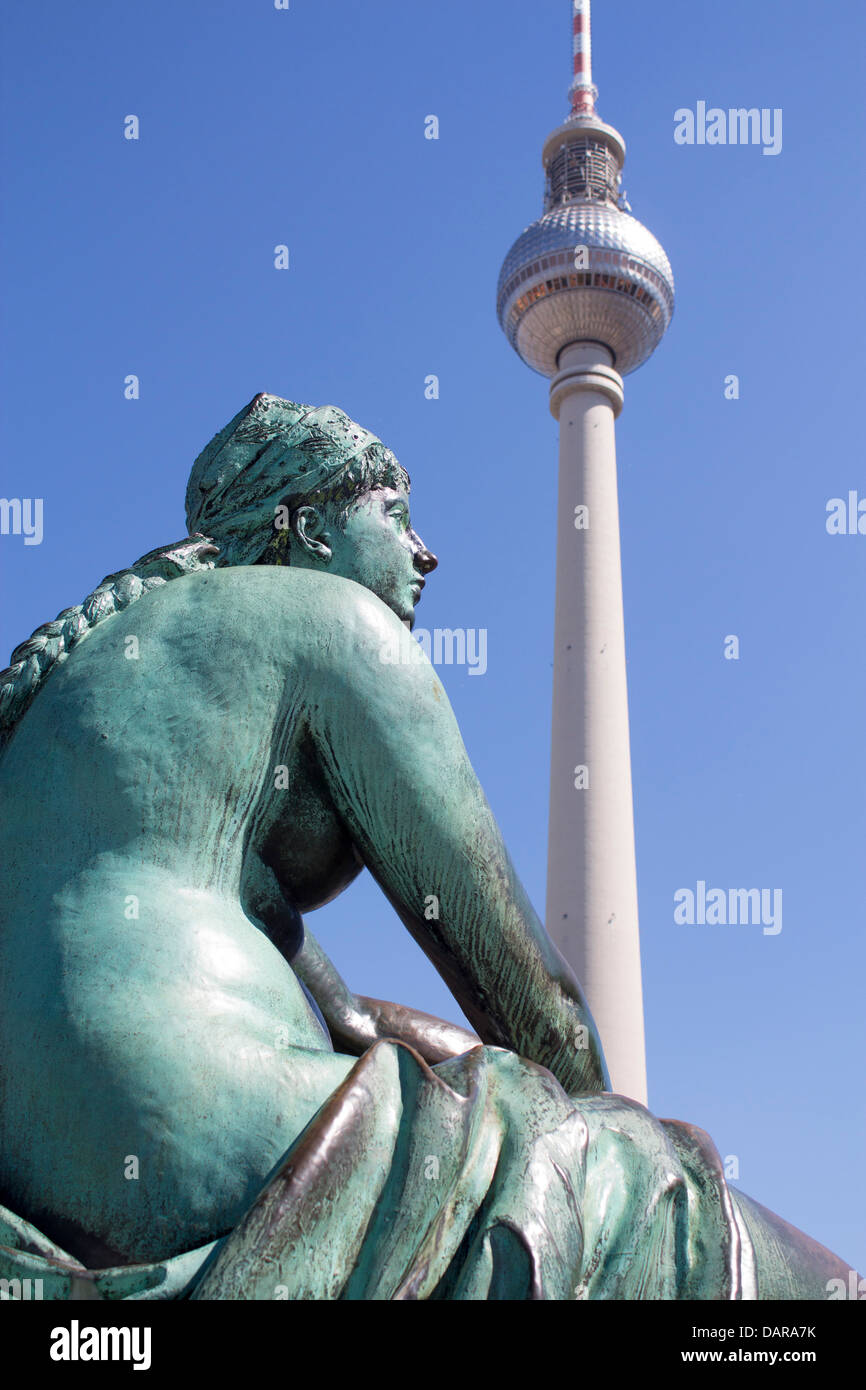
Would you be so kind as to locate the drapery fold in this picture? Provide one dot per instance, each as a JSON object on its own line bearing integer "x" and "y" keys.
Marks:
{"x": 476, "y": 1179}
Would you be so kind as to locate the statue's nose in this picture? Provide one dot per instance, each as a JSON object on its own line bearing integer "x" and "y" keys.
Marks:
{"x": 425, "y": 560}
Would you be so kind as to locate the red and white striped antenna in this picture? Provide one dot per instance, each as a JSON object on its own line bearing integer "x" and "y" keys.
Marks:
{"x": 583, "y": 93}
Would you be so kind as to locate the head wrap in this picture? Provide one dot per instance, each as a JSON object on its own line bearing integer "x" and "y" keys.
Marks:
{"x": 273, "y": 451}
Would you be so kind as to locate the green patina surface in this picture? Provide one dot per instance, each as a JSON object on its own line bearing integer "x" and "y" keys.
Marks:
{"x": 192, "y": 1102}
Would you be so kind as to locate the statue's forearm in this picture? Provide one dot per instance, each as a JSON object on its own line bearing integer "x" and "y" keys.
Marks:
{"x": 506, "y": 974}
{"x": 349, "y": 1024}
{"x": 355, "y": 1022}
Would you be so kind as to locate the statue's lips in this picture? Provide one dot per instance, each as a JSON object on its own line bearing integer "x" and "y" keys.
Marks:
{"x": 416, "y": 586}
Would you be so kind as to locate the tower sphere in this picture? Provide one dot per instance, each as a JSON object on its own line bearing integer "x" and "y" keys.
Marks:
{"x": 586, "y": 270}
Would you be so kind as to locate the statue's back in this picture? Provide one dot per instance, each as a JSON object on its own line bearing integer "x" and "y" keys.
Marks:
{"x": 148, "y": 1024}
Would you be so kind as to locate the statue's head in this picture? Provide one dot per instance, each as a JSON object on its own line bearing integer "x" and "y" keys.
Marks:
{"x": 287, "y": 484}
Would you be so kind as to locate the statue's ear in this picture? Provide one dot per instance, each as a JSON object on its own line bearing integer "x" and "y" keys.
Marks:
{"x": 308, "y": 528}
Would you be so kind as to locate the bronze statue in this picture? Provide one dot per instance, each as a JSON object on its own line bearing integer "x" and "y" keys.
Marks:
{"x": 192, "y": 1102}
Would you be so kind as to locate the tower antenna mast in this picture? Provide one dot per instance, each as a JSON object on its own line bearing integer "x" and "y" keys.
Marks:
{"x": 583, "y": 94}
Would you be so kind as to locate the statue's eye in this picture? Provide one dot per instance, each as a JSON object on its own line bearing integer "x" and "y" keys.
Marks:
{"x": 401, "y": 514}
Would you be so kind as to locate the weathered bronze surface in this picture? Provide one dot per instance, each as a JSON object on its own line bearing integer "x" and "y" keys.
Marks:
{"x": 192, "y": 1101}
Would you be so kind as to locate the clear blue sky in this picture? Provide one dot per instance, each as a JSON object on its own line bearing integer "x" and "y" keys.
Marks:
{"x": 306, "y": 127}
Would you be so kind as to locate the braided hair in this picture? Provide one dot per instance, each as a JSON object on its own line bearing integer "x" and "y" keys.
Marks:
{"x": 34, "y": 660}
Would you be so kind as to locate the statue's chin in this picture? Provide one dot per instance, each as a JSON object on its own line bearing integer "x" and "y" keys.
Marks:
{"x": 405, "y": 612}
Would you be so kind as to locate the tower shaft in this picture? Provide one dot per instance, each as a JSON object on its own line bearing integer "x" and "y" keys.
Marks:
{"x": 592, "y": 912}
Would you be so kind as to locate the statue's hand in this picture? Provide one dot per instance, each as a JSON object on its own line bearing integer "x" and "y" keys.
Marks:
{"x": 432, "y": 1038}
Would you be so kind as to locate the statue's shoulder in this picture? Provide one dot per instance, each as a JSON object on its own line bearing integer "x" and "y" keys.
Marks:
{"x": 327, "y": 610}
{"x": 286, "y": 588}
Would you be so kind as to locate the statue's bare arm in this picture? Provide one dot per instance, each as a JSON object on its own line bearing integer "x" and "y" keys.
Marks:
{"x": 355, "y": 1021}
{"x": 400, "y": 778}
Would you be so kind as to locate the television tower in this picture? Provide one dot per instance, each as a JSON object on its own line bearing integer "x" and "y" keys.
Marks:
{"x": 585, "y": 296}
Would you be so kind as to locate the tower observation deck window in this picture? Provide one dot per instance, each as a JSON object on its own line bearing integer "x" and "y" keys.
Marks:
{"x": 582, "y": 168}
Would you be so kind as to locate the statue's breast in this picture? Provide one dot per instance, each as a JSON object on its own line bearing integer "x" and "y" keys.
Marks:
{"x": 300, "y": 837}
